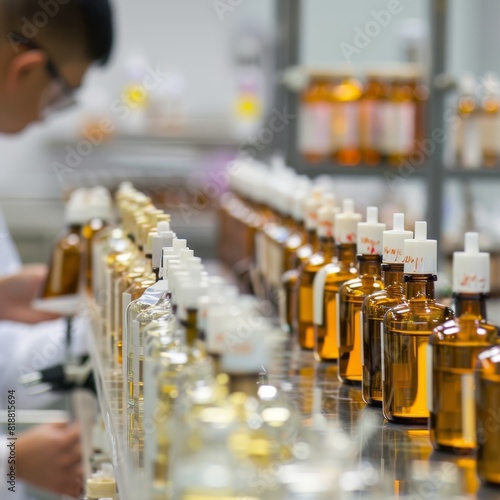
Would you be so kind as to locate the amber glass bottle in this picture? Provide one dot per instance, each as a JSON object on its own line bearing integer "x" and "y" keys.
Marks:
{"x": 489, "y": 122}
{"x": 328, "y": 281}
{"x": 407, "y": 328}
{"x": 487, "y": 407}
{"x": 353, "y": 293}
{"x": 400, "y": 116}
{"x": 346, "y": 94}
{"x": 315, "y": 140}
{"x": 305, "y": 301}
{"x": 377, "y": 304}
{"x": 453, "y": 350}
{"x": 60, "y": 292}
{"x": 374, "y": 96}
{"x": 468, "y": 130}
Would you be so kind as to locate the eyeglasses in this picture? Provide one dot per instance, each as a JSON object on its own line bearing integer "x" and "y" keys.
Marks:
{"x": 61, "y": 95}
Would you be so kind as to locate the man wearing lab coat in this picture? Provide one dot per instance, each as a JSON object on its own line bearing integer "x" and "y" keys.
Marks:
{"x": 46, "y": 47}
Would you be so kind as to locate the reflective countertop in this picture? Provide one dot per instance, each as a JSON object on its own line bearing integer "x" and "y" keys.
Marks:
{"x": 403, "y": 455}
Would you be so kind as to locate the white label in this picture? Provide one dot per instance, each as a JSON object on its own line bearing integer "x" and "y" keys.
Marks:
{"x": 314, "y": 128}
{"x": 429, "y": 368}
{"x": 382, "y": 349}
{"x": 399, "y": 123}
{"x": 468, "y": 408}
{"x": 319, "y": 294}
{"x": 245, "y": 355}
{"x": 371, "y": 120}
{"x": 471, "y": 143}
{"x": 260, "y": 251}
{"x": 215, "y": 333}
{"x": 345, "y": 125}
{"x": 489, "y": 125}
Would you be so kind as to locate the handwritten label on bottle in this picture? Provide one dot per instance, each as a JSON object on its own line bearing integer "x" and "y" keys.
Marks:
{"x": 413, "y": 264}
{"x": 392, "y": 254}
{"x": 369, "y": 246}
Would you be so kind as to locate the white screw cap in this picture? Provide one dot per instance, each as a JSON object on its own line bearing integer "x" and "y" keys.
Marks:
{"x": 346, "y": 223}
{"x": 394, "y": 239}
{"x": 370, "y": 234}
{"x": 471, "y": 268}
{"x": 420, "y": 253}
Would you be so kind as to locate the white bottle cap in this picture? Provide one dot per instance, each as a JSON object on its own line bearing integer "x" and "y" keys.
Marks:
{"x": 346, "y": 223}
{"x": 420, "y": 253}
{"x": 311, "y": 205}
{"x": 164, "y": 238}
{"x": 471, "y": 268}
{"x": 178, "y": 245}
{"x": 394, "y": 241}
{"x": 326, "y": 216}
{"x": 370, "y": 234}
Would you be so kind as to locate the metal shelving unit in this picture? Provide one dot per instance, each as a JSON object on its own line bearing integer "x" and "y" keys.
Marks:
{"x": 434, "y": 172}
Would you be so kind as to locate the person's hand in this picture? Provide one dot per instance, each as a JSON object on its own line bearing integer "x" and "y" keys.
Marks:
{"x": 49, "y": 457}
{"x": 17, "y": 293}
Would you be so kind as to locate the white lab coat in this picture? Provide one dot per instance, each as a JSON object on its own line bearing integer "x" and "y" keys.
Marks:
{"x": 27, "y": 348}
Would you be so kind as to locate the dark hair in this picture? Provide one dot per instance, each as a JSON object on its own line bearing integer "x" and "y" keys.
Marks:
{"x": 99, "y": 22}
{"x": 72, "y": 23}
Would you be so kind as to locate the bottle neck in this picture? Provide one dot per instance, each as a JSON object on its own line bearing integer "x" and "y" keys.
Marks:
{"x": 473, "y": 304}
{"x": 347, "y": 253}
{"x": 392, "y": 274}
{"x": 75, "y": 228}
{"x": 369, "y": 265}
{"x": 420, "y": 285}
{"x": 327, "y": 247}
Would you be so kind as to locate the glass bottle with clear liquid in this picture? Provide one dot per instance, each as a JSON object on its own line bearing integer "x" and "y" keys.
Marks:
{"x": 407, "y": 328}
{"x": 305, "y": 302}
{"x": 328, "y": 281}
{"x": 353, "y": 293}
{"x": 377, "y": 304}
{"x": 453, "y": 351}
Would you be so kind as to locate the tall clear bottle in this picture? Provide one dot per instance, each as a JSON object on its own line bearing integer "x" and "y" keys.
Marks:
{"x": 328, "y": 281}
{"x": 407, "y": 328}
{"x": 487, "y": 405}
{"x": 353, "y": 293}
{"x": 305, "y": 301}
{"x": 377, "y": 304}
{"x": 453, "y": 352}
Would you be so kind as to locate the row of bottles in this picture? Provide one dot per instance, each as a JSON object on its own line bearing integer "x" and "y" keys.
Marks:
{"x": 364, "y": 296}
{"x": 349, "y": 122}
{"x": 201, "y": 416}
{"x": 475, "y": 123}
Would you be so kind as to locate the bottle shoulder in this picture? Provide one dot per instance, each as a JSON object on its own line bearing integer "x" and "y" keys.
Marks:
{"x": 420, "y": 311}
{"x": 472, "y": 331}
{"x": 361, "y": 286}
{"x": 378, "y": 303}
